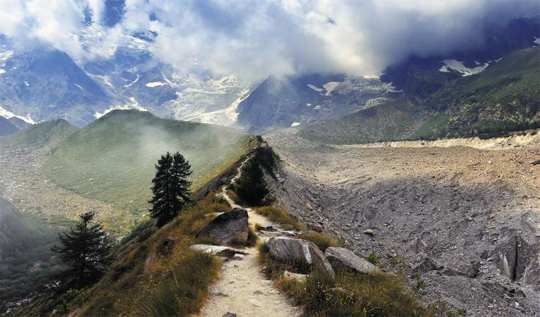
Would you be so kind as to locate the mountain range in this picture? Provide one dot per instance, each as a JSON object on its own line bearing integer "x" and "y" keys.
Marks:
{"x": 40, "y": 83}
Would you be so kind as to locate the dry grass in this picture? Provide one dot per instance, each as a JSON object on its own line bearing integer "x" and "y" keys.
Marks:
{"x": 281, "y": 216}
{"x": 251, "y": 240}
{"x": 144, "y": 283}
{"x": 349, "y": 293}
{"x": 234, "y": 196}
{"x": 322, "y": 240}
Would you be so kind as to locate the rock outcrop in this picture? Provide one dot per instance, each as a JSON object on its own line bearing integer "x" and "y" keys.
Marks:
{"x": 351, "y": 260}
{"x": 228, "y": 227}
{"x": 290, "y": 249}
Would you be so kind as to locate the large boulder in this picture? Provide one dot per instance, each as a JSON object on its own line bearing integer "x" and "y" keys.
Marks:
{"x": 229, "y": 227}
{"x": 290, "y": 249}
{"x": 349, "y": 259}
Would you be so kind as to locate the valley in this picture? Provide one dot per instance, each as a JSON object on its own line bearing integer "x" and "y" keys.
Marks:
{"x": 284, "y": 158}
{"x": 52, "y": 172}
{"x": 462, "y": 214}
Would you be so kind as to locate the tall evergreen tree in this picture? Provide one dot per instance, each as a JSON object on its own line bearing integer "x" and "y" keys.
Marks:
{"x": 171, "y": 187}
{"x": 86, "y": 251}
{"x": 251, "y": 186}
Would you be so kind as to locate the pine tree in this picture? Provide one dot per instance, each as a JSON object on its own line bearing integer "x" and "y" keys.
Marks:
{"x": 251, "y": 186}
{"x": 171, "y": 187}
{"x": 86, "y": 251}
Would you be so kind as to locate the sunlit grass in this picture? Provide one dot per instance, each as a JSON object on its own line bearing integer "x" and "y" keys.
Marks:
{"x": 281, "y": 216}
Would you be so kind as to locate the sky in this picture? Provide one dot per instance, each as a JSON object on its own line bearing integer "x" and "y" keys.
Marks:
{"x": 253, "y": 39}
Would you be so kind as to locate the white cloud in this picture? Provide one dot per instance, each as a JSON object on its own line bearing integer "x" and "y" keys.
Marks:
{"x": 256, "y": 38}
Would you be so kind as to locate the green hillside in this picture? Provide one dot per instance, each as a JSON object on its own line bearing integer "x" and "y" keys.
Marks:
{"x": 6, "y": 127}
{"x": 46, "y": 133}
{"x": 26, "y": 261}
{"x": 113, "y": 158}
{"x": 390, "y": 121}
{"x": 505, "y": 97}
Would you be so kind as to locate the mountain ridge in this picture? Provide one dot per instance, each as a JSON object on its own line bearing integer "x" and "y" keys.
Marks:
{"x": 503, "y": 98}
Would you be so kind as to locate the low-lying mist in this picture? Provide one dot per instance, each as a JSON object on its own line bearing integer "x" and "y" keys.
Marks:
{"x": 113, "y": 159}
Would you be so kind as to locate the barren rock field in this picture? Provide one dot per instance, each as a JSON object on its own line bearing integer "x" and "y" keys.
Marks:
{"x": 460, "y": 219}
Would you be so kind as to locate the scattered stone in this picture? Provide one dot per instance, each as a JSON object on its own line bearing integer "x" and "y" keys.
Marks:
{"x": 295, "y": 276}
{"x": 369, "y": 232}
{"x": 228, "y": 227}
{"x": 238, "y": 257}
{"x": 229, "y": 314}
{"x": 428, "y": 264}
{"x": 289, "y": 233}
{"x": 421, "y": 246}
{"x": 339, "y": 290}
{"x": 317, "y": 227}
{"x": 349, "y": 259}
{"x": 147, "y": 264}
{"x": 218, "y": 250}
{"x": 290, "y": 249}
{"x": 218, "y": 292}
{"x": 258, "y": 292}
{"x": 536, "y": 162}
{"x": 269, "y": 229}
{"x": 166, "y": 247}
{"x": 255, "y": 302}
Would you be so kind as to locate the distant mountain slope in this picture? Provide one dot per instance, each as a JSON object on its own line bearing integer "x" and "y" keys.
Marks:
{"x": 7, "y": 127}
{"x": 24, "y": 253}
{"x": 299, "y": 100}
{"x": 421, "y": 76}
{"x": 43, "y": 83}
{"x": 113, "y": 158}
{"x": 19, "y": 123}
{"x": 504, "y": 97}
{"x": 47, "y": 83}
{"x": 47, "y": 133}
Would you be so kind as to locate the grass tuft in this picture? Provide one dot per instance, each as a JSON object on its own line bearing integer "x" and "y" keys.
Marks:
{"x": 349, "y": 293}
{"x": 144, "y": 283}
{"x": 322, "y": 240}
{"x": 280, "y": 216}
{"x": 182, "y": 292}
{"x": 373, "y": 258}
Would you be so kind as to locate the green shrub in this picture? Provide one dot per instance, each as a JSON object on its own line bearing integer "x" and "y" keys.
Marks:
{"x": 420, "y": 283}
{"x": 373, "y": 258}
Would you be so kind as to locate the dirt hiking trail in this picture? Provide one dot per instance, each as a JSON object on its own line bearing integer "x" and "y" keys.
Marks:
{"x": 242, "y": 289}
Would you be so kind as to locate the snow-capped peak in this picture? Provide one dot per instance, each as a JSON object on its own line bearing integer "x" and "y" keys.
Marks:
{"x": 8, "y": 114}
{"x": 452, "y": 64}
{"x": 134, "y": 105}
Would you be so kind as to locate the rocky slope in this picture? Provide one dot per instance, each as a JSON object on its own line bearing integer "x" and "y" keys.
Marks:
{"x": 465, "y": 218}
{"x": 504, "y": 97}
{"x": 299, "y": 100}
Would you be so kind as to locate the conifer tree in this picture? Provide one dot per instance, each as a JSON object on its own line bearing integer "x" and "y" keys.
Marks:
{"x": 251, "y": 186}
{"x": 85, "y": 250}
{"x": 171, "y": 187}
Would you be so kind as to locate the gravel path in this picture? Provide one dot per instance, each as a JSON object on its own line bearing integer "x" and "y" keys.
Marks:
{"x": 242, "y": 289}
